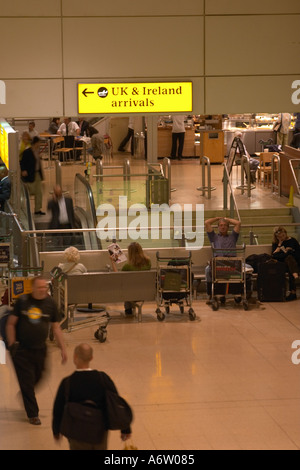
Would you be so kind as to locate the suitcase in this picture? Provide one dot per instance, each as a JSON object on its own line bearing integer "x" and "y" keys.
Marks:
{"x": 271, "y": 282}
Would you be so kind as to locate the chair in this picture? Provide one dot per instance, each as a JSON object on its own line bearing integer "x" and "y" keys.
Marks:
{"x": 63, "y": 147}
{"x": 265, "y": 168}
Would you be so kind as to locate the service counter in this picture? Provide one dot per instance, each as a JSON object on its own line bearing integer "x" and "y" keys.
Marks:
{"x": 196, "y": 143}
{"x": 164, "y": 142}
{"x": 212, "y": 145}
{"x": 286, "y": 175}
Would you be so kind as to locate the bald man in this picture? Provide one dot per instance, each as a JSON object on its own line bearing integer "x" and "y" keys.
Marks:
{"x": 85, "y": 384}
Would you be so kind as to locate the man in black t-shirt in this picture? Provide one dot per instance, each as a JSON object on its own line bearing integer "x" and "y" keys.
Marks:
{"x": 27, "y": 331}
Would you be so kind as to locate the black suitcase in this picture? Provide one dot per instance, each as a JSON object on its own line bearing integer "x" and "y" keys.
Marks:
{"x": 271, "y": 282}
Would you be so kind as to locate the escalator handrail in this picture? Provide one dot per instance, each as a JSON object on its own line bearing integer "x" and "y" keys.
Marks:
{"x": 90, "y": 196}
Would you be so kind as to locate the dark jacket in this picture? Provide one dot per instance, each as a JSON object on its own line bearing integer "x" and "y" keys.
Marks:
{"x": 5, "y": 189}
{"x": 53, "y": 207}
{"x": 84, "y": 127}
{"x": 84, "y": 385}
{"x": 28, "y": 164}
{"x": 296, "y": 141}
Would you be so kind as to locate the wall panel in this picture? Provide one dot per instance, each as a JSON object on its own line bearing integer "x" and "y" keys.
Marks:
{"x": 32, "y": 48}
{"x": 30, "y": 8}
{"x": 33, "y": 98}
{"x": 250, "y": 48}
{"x": 136, "y": 47}
{"x": 249, "y": 94}
{"x": 261, "y": 7}
{"x": 132, "y": 8}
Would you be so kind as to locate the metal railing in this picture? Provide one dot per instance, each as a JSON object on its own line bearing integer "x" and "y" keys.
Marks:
{"x": 245, "y": 170}
{"x": 205, "y": 163}
{"x": 233, "y": 203}
{"x": 276, "y": 167}
{"x": 294, "y": 174}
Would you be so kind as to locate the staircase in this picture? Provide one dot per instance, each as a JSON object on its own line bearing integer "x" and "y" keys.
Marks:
{"x": 275, "y": 217}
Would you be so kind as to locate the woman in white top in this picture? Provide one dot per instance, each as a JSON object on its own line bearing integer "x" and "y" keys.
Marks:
{"x": 71, "y": 265}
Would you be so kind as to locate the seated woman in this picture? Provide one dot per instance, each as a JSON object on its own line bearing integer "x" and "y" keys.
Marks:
{"x": 286, "y": 249}
{"x": 71, "y": 265}
{"x": 137, "y": 261}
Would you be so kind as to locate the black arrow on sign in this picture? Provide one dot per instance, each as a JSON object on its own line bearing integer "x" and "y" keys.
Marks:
{"x": 85, "y": 92}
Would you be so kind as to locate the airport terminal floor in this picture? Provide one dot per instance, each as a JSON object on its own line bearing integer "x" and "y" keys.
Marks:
{"x": 223, "y": 381}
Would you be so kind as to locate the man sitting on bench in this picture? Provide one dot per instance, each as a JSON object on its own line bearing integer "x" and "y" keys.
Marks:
{"x": 221, "y": 241}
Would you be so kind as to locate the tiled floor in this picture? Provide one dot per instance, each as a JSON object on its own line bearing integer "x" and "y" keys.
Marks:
{"x": 225, "y": 382}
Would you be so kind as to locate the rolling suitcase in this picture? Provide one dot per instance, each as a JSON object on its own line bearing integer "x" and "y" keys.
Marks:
{"x": 271, "y": 282}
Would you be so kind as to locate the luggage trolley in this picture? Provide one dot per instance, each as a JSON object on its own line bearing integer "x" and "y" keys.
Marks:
{"x": 229, "y": 276}
{"x": 174, "y": 285}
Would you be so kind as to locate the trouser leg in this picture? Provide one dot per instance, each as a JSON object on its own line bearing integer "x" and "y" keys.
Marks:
{"x": 38, "y": 200}
{"x": 29, "y": 366}
{"x": 181, "y": 143}
{"x": 174, "y": 145}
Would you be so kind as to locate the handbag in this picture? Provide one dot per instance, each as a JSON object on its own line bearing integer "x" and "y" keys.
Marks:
{"x": 82, "y": 421}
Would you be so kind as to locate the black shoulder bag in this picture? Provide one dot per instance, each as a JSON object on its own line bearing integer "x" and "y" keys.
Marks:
{"x": 118, "y": 412}
{"x": 82, "y": 421}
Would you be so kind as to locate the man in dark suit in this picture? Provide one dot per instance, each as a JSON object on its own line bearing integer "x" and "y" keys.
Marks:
{"x": 32, "y": 174}
{"x": 83, "y": 126}
{"x": 5, "y": 187}
{"x": 62, "y": 210}
{"x": 62, "y": 217}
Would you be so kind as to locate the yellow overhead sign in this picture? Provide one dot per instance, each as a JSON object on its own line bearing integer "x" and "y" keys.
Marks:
{"x": 110, "y": 98}
{"x": 5, "y": 130}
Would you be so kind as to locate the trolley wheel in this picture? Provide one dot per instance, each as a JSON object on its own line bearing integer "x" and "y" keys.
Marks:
{"x": 101, "y": 335}
{"x": 245, "y": 305}
{"x": 215, "y": 305}
{"x": 161, "y": 316}
{"x": 192, "y": 314}
{"x": 238, "y": 300}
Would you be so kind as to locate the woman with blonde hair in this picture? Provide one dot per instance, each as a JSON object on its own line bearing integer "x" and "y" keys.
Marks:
{"x": 72, "y": 265}
{"x": 137, "y": 261}
{"x": 286, "y": 249}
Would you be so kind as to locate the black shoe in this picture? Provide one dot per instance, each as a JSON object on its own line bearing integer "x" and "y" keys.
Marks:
{"x": 291, "y": 297}
{"x": 40, "y": 213}
{"x": 35, "y": 421}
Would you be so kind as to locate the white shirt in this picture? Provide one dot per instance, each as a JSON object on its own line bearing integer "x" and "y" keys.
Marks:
{"x": 178, "y": 123}
{"x": 72, "y": 128}
{"x": 63, "y": 215}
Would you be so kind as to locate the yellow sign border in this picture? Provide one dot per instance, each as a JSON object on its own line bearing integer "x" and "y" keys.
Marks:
{"x": 135, "y": 97}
